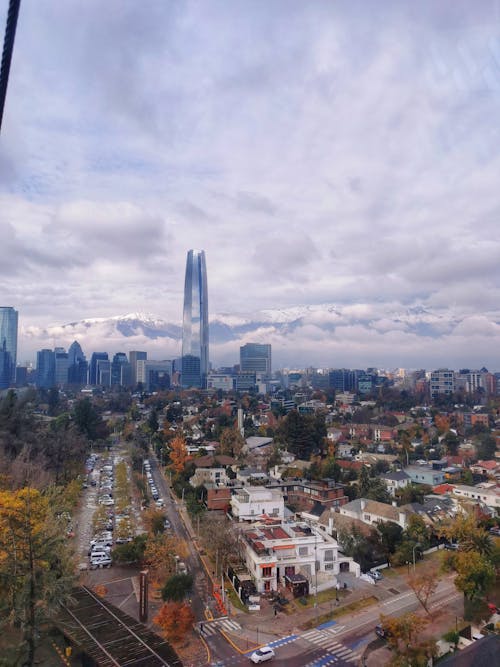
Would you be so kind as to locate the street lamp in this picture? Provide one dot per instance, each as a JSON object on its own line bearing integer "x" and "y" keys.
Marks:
{"x": 416, "y": 545}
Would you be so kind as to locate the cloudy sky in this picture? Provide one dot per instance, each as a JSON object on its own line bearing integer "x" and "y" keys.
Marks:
{"x": 341, "y": 152}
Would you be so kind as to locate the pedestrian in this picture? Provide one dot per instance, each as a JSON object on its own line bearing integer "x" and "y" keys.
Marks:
{"x": 201, "y": 627}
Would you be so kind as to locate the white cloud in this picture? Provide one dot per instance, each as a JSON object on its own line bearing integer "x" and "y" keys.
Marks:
{"x": 318, "y": 152}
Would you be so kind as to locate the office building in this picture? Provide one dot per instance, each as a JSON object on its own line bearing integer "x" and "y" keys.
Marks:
{"x": 45, "y": 369}
{"x": 94, "y": 359}
{"x": 195, "y": 322}
{"x": 61, "y": 366}
{"x": 8, "y": 346}
{"x": 134, "y": 356}
{"x": 154, "y": 375}
{"x": 77, "y": 365}
{"x": 256, "y": 357}
{"x": 121, "y": 372}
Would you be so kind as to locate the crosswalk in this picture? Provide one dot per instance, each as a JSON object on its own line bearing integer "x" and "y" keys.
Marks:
{"x": 211, "y": 628}
{"x": 326, "y": 639}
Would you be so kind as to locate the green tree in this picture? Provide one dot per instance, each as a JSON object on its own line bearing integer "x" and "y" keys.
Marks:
{"x": 475, "y": 574}
{"x": 153, "y": 423}
{"x": 86, "y": 418}
{"x": 390, "y": 536}
{"x": 176, "y": 588}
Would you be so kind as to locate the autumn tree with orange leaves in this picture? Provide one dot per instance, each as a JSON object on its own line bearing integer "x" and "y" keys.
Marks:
{"x": 36, "y": 570}
{"x": 175, "y": 620}
{"x": 178, "y": 454}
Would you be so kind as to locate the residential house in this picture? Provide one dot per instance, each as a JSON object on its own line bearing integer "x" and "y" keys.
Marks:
{"x": 218, "y": 498}
{"x": 249, "y": 503}
{"x": 373, "y": 512}
{"x": 485, "y": 468}
{"x": 203, "y": 476}
{"x": 425, "y": 474}
{"x": 488, "y": 494}
{"x": 395, "y": 480}
{"x": 279, "y": 554}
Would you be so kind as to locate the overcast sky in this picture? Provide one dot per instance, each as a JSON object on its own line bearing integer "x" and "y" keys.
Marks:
{"x": 319, "y": 151}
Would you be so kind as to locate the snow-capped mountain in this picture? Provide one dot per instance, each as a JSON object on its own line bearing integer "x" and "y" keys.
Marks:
{"x": 325, "y": 334}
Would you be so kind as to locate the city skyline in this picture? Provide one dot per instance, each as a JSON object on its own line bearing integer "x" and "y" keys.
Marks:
{"x": 320, "y": 153}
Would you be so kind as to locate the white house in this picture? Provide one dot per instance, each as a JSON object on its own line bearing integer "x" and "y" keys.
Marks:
{"x": 395, "y": 480}
{"x": 252, "y": 502}
{"x": 372, "y": 512}
{"x": 277, "y": 553}
{"x": 216, "y": 476}
{"x": 488, "y": 496}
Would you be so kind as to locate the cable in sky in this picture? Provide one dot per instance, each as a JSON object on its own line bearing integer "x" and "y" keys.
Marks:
{"x": 8, "y": 47}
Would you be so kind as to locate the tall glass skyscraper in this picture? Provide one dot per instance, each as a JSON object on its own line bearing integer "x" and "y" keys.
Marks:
{"x": 8, "y": 346}
{"x": 195, "y": 322}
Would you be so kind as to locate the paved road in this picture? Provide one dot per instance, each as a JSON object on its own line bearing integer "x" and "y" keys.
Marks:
{"x": 340, "y": 643}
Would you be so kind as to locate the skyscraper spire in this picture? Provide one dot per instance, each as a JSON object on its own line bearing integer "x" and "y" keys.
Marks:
{"x": 195, "y": 322}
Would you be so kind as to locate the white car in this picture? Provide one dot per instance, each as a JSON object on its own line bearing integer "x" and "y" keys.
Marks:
{"x": 366, "y": 577}
{"x": 100, "y": 561}
{"x": 262, "y": 654}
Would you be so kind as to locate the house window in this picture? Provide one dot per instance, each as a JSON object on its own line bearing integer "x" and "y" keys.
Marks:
{"x": 328, "y": 566}
{"x": 366, "y": 517}
{"x": 329, "y": 555}
{"x": 267, "y": 571}
{"x": 303, "y": 551}
{"x": 275, "y": 510}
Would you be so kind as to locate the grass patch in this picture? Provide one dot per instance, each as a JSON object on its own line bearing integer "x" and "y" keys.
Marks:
{"x": 323, "y": 596}
{"x": 234, "y": 599}
{"x": 340, "y": 611}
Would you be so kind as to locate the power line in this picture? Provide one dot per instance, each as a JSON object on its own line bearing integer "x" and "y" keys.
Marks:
{"x": 8, "y": 47}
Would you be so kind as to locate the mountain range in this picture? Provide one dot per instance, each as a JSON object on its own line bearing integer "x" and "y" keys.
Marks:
{"x": 323, "y": 335}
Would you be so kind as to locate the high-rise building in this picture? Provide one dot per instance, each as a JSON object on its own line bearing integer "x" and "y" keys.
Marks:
{"x": 120, "y": 371}
{"x": 93, "y": 370}
{"x": 195, "y": 322}
{"x": 77, "y": 365}
{"x": 61, "y": 366}
{"x": 8, "y": 346}
{"x": 134, "y": 356}
{"x": 45, "y": 369}
{"x": 256, "y": 357}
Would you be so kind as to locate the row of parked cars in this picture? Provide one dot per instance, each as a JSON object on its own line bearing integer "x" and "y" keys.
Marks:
{"x": 102, "y": 542}
{"x": 152, "y": 486}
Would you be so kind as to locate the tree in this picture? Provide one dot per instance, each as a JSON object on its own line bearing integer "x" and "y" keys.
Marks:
{"x": 178, "y": 455}
{"x": 231, "y": 442}
{"x": 153, "y": 423}
{"x": 470, "y": 536}
{"x": 403, "y": 635}
{"x": 177, "y": 587}
{"x": 175, "y": 620}
{"x": 475, "y": 574}
{"x": 390, "y": 536}
{"x": 424, "y": 584}
{"x": 86, "y": 418}
{"x": 36, "y": 572}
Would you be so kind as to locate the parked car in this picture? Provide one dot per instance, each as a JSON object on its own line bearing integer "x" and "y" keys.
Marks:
{"x": 100, "y": 560}
{"x": 495, "y": 531}
{"x": 375, "y": 574}
{"x": 368, "y": 578}
{"x": 262, "y": 654}
{"x": 451, "y": 546}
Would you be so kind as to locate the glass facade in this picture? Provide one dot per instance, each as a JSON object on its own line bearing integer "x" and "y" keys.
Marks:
{"x": 8, "y": 346}
{"x": 195, "y": 322}
{"x": 256, "y": 357}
